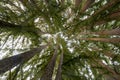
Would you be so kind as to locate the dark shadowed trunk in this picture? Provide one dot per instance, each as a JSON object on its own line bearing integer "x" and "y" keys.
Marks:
{"x": 10, "y": 62}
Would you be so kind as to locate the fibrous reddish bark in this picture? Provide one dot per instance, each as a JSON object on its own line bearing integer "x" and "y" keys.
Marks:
{"x": 47, "y": 75}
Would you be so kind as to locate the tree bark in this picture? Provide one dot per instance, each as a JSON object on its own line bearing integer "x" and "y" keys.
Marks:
{"x": 47, "y": 75}
{"x": 109, "y": 40}
{"x": 109, "y": 32}
{"x": 77, "y": 3}
{"x": 10, "y": 62}
{"x": 112, "y": 76}
{"x": 87, "y": 5}
{"x": 110, "y": 17}
{"x": 115, "y": 31}
{"x": 59, "y": 71}
{"x": 105, "y": 7}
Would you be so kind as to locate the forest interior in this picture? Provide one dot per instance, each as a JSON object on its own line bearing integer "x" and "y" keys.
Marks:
{"x": 59, "y": 39}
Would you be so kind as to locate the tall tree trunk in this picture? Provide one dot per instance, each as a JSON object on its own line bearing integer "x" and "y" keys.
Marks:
{"x": 105, "y": 7}
{"x": 59, "y": 71}
{"x": 109, "y": 32}
{"x": 10, "y": 62}
{"x": 77, "y": 3}
{"x": 87, "y": 5}
{"x": 112, "y": 16}
{"x": 104, "y": 32}
{"x": 112, "y": 76}
{"x": 47, "y": 75}
{"x": 109, "y": 40}
{"x": 62, "y": 1}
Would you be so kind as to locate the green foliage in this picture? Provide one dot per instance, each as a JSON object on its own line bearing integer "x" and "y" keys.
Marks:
{"x": 27, "y": 24}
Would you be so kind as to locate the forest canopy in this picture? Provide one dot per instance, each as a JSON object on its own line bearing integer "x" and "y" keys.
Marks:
{"x": 59, "y": 39}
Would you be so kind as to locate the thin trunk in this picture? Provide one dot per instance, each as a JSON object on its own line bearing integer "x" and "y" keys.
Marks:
{"x": 104, "y": 32}
{"x": 112, "y": 76}
{"x": 106, "y": 53}
{"x": 62, "y": 1}
{"x": 109, "y": 32}
{"x": 24, "y": 2}
{"x": 10, "y": 62}
{"x": 114, "y": 15}
{"x": 77, "y": 3}
{"x": 105, "y": 66}
{"x": 92, "y": 18}
{"x": 105, "y": 7}
{"x": 87, "y": 5}
{"x": 47, "y": 75}
{"x": 109, "y": 40}
{"x": 47, "y": 1}
{"x": 58, "y": 75}
{"x": 110, "y": 17}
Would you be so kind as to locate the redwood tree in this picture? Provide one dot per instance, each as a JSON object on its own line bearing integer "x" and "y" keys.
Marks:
{"x": 60, "y": 39}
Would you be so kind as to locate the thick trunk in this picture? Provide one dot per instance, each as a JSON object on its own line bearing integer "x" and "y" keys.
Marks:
{"x": 10, "y": 62}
